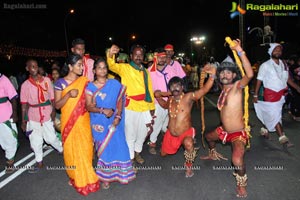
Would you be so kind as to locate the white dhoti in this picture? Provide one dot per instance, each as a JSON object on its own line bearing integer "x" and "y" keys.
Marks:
{"x": 9, "y": 140}
{"x": 160, "y": 123}
{"x": 269, "y": 113}
{"x": 38, "y": 134}
{"x": 136, "y": 130}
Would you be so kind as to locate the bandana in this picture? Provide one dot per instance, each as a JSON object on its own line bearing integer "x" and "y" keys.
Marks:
{"x": 154, "y": 65}
{"x": 169, "y": 47}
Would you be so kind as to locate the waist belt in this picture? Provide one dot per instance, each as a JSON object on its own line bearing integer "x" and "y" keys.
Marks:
{"x": 46, "y": 103}
{"x": 3, "y": 99}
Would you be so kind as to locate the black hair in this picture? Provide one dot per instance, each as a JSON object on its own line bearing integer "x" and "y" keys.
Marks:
{"x": 230, "y": 67}
{"x": 77, "y": 41}
{"x": 137, "y": 46}
{"x": 160, "y": 50}
{"x": 70, "y": 60}
{"x": 99, "y": 60}
{"x": 174, "y": 80}
{"x": 31, "y": 59}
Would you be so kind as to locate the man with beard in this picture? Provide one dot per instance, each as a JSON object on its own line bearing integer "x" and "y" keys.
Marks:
{"x": 274, "y": 76}
{"x": 139, "y": 106}
{"x": 179, "y": 105}
{"x": 230, "y": 105}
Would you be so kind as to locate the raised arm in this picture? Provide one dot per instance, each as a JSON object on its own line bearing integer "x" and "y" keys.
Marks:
{"x": 245, "y": 62}
{"x": 211, "y": 70}
{"x": 114, "y": 49}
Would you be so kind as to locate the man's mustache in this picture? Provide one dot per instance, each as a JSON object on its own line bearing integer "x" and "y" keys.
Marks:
{"x": 174, "y": 91}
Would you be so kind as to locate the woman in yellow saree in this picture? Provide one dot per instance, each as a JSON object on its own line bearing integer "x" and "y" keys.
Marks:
{"x": 75, "y": 127}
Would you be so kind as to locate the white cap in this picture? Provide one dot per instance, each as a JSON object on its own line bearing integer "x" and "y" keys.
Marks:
{"x": 272, "y": 47}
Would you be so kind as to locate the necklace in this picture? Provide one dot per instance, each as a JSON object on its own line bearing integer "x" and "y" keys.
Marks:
{"x": 222, "y": 98}
{"x": 173, "y": 112}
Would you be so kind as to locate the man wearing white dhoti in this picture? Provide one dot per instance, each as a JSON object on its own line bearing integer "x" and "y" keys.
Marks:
{"x": 8, "y": 119}
{"x": 273, "y": 76}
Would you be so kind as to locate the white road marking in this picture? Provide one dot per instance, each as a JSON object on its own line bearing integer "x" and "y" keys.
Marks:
{"x": 23, "y": 168}
{"x": 21, "y": 161}
{"x": 20, "y": 171}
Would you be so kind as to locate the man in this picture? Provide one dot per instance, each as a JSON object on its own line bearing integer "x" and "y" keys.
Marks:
{"x": 274, "y": 76}
{"x": 174, "y": 66}
{"x": 139, "y": 107}
{"x": 78, "y": 47}
{"x": 38, "y": 113}
{"x": 8, "y": 119}
{"x": 230, "y": 104}
{"x": 160, "y": 74}
{"x": 180, "y": 130}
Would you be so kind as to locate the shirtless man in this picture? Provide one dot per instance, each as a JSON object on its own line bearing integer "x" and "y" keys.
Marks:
{"x": 179, "y": 105}
{"x": 230, "y": 104}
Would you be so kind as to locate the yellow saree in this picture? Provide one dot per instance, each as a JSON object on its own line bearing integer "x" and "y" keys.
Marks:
{"x": 77, "y": 140}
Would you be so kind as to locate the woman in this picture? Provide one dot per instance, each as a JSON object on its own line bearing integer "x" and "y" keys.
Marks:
{"x": 105, "y": 101}
{"x": 75, "y": 126}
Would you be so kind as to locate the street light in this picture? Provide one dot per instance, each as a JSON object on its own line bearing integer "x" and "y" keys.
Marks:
{"x": 130, "y": 41}
{"x": 196, "y": 41}
{"x": 72, "y": 11}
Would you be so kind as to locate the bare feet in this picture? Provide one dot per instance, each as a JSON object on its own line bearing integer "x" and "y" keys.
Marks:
{"x": 288, "y": 145}
{"x": 241, "y": 192}
{"x": 213, "y": 155}
{"x": 189, "y": 172}
{"x": 105, "y": 185}
{"x": 241, "y": 182}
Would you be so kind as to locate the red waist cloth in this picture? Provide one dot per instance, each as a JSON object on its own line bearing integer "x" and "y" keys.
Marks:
{"x": 171, "y": 143}
{"x": 231, "y": 137}
{"x": 139, "y": 97}
{"x": 272, "y": 96}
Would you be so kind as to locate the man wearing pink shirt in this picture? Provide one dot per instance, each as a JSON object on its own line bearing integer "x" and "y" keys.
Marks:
{"x": 78, "y": 47}
{"x": 8, "y": 118}
{"x": 38, "y": 113}
{"x": 174, "y": 68}
{"x": 160, "y": 74}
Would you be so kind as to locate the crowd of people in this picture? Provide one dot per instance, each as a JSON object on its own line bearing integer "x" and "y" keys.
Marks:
{"x": 89, "y": 107}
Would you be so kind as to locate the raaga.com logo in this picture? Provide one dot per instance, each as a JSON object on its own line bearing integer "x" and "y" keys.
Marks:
{"x": 236, "y": 10}
{"x": 266, "y": 10}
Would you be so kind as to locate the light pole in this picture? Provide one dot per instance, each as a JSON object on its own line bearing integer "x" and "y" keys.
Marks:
{"x": 65, "y": 27}
{"x": 196, "y": 41}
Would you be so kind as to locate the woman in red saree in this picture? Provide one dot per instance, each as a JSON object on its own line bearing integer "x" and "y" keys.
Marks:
{"x": 75, "y": 127}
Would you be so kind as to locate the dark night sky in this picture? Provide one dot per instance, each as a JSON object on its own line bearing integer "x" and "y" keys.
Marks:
{"x": 154, "y": 23}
